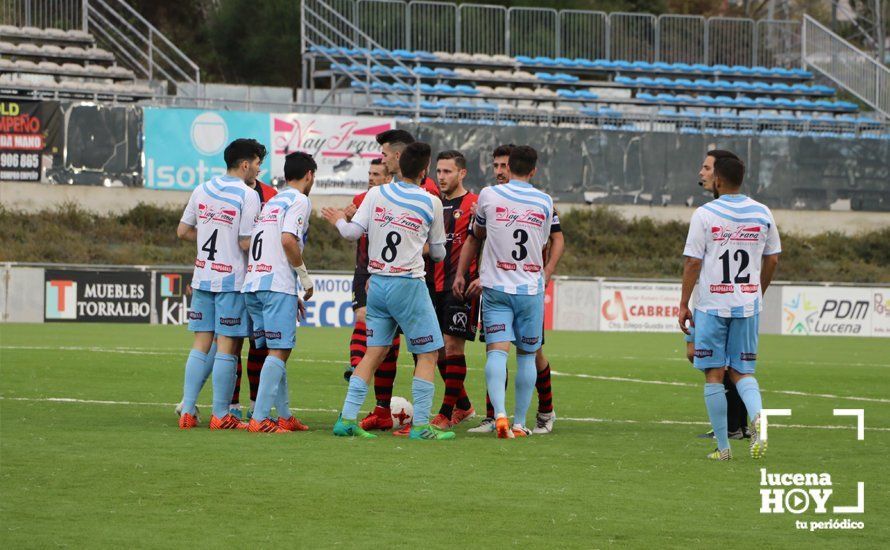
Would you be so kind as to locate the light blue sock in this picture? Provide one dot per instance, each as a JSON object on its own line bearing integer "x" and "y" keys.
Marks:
{"x": 267, "y": 392}
{"x": 496, "y": 380}
{"x": 355, "y": 397}
{"x": 196, "y": 372}
{"x": 715, "y": 401}
{"x": 526, "y": 376}
{"x": 282, "y": 402}
{"x": 749, "y": 391}
{"x": 211, "y": 357}
{"x": 422, "y": 392}
{"x": 223, "y": 383}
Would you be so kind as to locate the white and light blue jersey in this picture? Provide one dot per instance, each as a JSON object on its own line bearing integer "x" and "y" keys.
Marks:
{"x": 222, "y": 210}
{"x": 267, "y": 265}
{"x": 399, "y": 219}
{"x": 517, "y": 219}
{"x": 731, "y": 235}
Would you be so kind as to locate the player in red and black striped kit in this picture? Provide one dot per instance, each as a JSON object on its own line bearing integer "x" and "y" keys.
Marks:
{"x": 392, "y": 143}
{"x": 457, "y": 318}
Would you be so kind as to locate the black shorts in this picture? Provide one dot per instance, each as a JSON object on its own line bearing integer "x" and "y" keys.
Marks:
{"x": 360, "y": 290}
{"x": 456, "y": 317}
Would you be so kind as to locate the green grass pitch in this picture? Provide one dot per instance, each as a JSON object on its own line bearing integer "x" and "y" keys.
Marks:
{"x": 90, "y": 454}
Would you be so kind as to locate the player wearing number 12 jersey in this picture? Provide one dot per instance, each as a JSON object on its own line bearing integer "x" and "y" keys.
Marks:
{"x": 732, "y": 251}
{"x": 219, "y": 216}
{"x": 400, "y": 220}
{"x": 514, "y": 219}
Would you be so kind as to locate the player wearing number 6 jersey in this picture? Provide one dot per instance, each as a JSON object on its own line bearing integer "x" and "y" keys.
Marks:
{"x": 514, "y": 219}
{"x": 275, "y": 263}
{"x": 732, "y": 250}
{"x": 219, "y": 217}
{"x": 400, "y": 219}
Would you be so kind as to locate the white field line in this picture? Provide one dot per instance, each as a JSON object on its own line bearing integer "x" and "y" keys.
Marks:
{"x": 180, "y": 353}
{"x": 71, "y": 400}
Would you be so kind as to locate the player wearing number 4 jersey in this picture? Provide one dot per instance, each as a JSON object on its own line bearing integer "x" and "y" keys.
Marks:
{"x": 400, "y": 220}
{"x": 270, "y": 289}
{"x": 732, "y": 250}
{"x": 219, "y": 217}
{"x": 514, "y": 219}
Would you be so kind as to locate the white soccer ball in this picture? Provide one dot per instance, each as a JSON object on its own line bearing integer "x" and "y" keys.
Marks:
{"x": 402, "y": 412}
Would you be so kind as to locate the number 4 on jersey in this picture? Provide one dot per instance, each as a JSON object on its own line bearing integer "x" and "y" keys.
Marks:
{"x": 210, "y": 246}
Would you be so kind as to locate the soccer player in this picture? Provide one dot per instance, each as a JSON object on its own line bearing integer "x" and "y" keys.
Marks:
{"x": 514, "y": 219}
{"x": 275, "y": 263}
{"x": 732, "y": 251}
{"x": 736, "y": 415}
{"x": 400, "y": 220}
{"x": 219, "y": 217}
{"x": 255, "y": 357}
{"x": 381, "y": 417}
{"x": 556, "y": 245}
{"x": 392, "y": 143}
{"x": 458, "y": 317}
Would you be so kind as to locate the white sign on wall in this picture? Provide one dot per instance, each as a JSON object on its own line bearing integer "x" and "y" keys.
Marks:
{"x": 835, "y": 311}
{"x": 639, "y": 307}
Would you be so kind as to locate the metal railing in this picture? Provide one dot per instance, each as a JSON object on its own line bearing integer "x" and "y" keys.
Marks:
{"x": 56, "y": 14}
{"x": 136, "y": 43}
{"x": 846, "y": 65}
{"x": 491, "y": 29}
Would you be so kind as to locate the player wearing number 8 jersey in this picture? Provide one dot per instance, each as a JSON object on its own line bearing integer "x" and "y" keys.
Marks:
{"x": 219, "y": 217}
{"x": 732, "y": 251}
{"x": 400, "y": 220}
{"x": 514, "y": 219}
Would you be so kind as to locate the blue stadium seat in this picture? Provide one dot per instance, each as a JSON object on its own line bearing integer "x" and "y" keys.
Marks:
{"x": 765, "y": 102}
{"x": 745, "y": 102}
{"x": 585, "y": 63}
{"x": 445, "y": 72}
{"x": 781, "y": 87}
{"x": 586, "y": 94}
{"x": 662, "y": 66}
{"x": 445, "y": 89}
{"x": 742, "y": 85}
{"x": 563, "y": 77}
{"x": 466, "y": 90}
{"x": 566, "y": 93}
{"x": 425, "y": 56}
{"x": 783, "y": 102}
{"x": 682, "y": 67}
{"x": 607, "y": 64}
{"x": 525, "y": 60}
{"x": 546, "y": 61}
{"x": 400, "y": 71}
{"x": 625, "y": 80}
{"x": 545, "y": 77}
{"x": 720, "y": 68}
{"x": 702, "y": 68}
{"x": 621, "y": 65}
{"x": 683, "y": 82}
{"x": 645, "y": 81}
{"x": 742, "y": 70}
{"x": 425, "y": 71}
{"x": 641, "y": 66}
{"x": 401, "y": 87}
{"x": 665, "y": 82}
{"x": 565, "y": 62}
{"x": 380, "y": 87}
{"x": 404, "y": 54}
{"x": 428, "y": 89}
{"x": 646, "y": 96}
{"x": 379, "y": 52}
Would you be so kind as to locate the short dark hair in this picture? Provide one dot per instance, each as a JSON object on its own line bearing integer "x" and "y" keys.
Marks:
{"x": 377, "y": 161}
{"x": 502, "y": 150}
{"x": 414, "y": 159}
{"x": 297, "y": 165}
{"x": 523, "y": 160}
{"x": 728, "y": 167}
{"x": 459, "y": 159}
{"x": 394, "y": 137}
{"x": 243, "y": 149}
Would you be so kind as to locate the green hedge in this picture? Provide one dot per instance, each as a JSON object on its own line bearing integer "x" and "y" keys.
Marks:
{"x": 599, "y": 243}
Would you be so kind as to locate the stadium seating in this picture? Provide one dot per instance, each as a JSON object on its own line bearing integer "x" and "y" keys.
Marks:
{"x": 60, "y": 63}
{"x": 742, "y": 99}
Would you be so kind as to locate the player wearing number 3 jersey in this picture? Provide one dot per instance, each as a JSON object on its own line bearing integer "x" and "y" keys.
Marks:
{"x": 401, "y": 220}
{"x": 514, "y": 219}
{"x": 732, "y": 251}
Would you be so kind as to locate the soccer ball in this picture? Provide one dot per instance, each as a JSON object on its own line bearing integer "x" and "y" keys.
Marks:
{"x": 402, "y": 412}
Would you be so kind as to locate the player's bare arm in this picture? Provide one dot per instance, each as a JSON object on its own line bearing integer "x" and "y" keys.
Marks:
{"x": 767, "y": 270}
{"x": 187, "y": 232}
{"x": 557, "y": 247}
{"x": 295, "y": 257}
{"x": 691, "y": 270}
{"x": 467, "y": 254}
{"x": 333, "y": 214}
